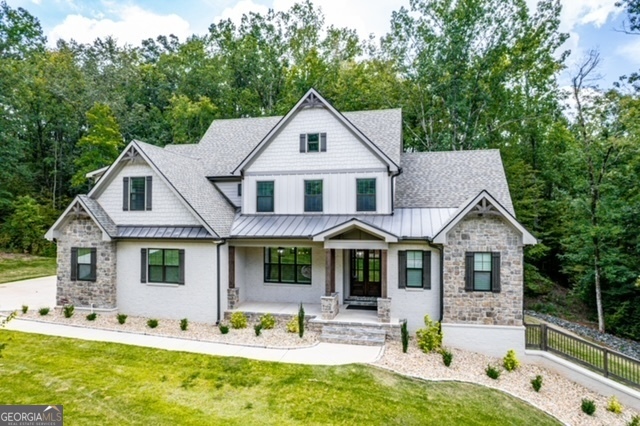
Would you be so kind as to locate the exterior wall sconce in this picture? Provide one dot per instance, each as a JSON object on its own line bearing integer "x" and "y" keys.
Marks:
{"x": 280, "y": 250}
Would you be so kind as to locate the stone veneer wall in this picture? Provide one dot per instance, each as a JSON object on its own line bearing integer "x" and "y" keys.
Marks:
{"x": 84, "y": 233}
{"x": 488, "y": 234}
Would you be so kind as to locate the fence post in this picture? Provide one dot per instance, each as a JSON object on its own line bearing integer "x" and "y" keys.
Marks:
{"x": 543, "y": 337}
{"x": 606, "y": 363}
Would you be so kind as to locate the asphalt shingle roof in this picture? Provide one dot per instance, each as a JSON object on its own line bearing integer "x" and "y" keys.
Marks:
{"x": 96, "y": 210}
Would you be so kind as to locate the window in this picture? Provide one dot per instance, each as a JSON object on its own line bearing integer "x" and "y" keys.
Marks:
{"x": 414, "y": 269}
{"x": 239, "y": 190}
{"x": 83, "y": 264}
{"x": 137, "y": 193}
{"x": 313, "y": 142}
{"x": 288, "y": 265}
{"x": 164, "y": 265}
{"x": 312, "y": 195}
{"x": 482, "y": 271}
{"x": 265, "y": 196}
{"x": 366, "y": 195}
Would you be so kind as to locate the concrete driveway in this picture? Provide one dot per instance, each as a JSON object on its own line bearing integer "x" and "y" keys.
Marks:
{"x": 35, "y": 293}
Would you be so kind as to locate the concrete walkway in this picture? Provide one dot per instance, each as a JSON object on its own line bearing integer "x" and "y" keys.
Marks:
{"x": 320, "y": 354}
{"x": 36, "y": 293}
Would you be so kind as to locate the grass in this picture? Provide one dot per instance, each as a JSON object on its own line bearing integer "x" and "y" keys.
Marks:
{"x": 16, "y": 267}
{"x": 136, "y": 385}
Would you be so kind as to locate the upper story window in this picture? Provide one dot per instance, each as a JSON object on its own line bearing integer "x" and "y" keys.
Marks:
{"x": 137, "y": 193}
{"x": 264, "y": 191}
{"x": 482, "y": 271}
{"x": 366, "y": 195}
{"x": 313, "y": 142}
{"x": 312, "y": 195}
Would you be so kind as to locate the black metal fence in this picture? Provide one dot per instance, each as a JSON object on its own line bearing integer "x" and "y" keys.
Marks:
{"x": 596, "y": 358}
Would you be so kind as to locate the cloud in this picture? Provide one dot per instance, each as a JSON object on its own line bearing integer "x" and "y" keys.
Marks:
{"x": 243, "y": 7}
{"x": 630, "y": 52}
{"x": 131, "y": 25}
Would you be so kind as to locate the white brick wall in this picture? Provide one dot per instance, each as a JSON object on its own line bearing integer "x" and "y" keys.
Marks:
{"x": 167, "y": 209}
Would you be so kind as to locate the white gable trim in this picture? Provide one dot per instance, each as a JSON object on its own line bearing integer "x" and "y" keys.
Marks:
{"x": 441, "y": 236}
{"x": 134, "y": 148}
{"x": 391, "y": 165}
{"x": 54, "y": 232}
{"x": 355, "y": 224}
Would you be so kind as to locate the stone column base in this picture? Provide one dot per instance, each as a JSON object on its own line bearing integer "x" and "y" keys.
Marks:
{"x": 330, "y": 306}
{"x": 233, "y": 297}
{"x": 384, "y": 309}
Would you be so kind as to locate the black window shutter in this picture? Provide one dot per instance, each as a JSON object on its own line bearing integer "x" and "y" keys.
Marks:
{"x": 468, "y": 271}
{"x": 93, "y": 264}
{"x": 125, "y": 194}
{"x": 303, "y": 142}
{"x": 143, "y": 265}
{"x": 149, "y": 191}
{"x": 239, "y": 190}
{"x": 74, "y": 263}
{"x": 426, "y": 270}
{"x": 181, "y": 262}
{"x": 402, "y": 269}
{"x": 323, "y": 142}
{"x": 495, "y": 272}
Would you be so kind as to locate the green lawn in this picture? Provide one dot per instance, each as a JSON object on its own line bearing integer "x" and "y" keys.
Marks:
{"x": 106, "y": 383}
{"x": 15, "y": 267}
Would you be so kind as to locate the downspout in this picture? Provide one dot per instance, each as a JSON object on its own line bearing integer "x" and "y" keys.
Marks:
{"x": 441, "y": 250}
{"x": 218, "y": 280}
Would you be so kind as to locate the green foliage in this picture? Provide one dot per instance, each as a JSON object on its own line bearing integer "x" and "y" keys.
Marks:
{"x": 25, "y": 309}
{"x": 92, "y": 316}
{"x": 152, "y": 323}
{"x": 24, "y": 229}
{"x": 614, "y": 405}
{"x": 510, "y": 361}
{"x": 2, "y": 347}
{"x": 43, "y": 311}
{"x": 301, "y": 321}
{"x": 493, "y": 372}
{"x": 68, "y": 311}
{"x": 635, "y": 421}
{"x": 537, "y": 383}
{"x": 404, "y": 334}
{"x": 8, "y": 318}
{"x": 190, "y": 119}
{"x": 292, "y": 325}
{"x": 258, "y": 329}
{"x": 238, "y": 320}
{"x": 224, "y": 329}
{"x": 447, "y": 356}
{"x": 122, "y": 318}
{"x": 184, "y": 323}
{"x": 267, "y": 321}
{"x": 588, "y": 406}
{"x": 430, "y": 337}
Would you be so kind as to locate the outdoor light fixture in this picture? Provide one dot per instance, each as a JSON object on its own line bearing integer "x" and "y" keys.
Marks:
{"x": 281, "y": 250}
{"x": 359, "y": 253}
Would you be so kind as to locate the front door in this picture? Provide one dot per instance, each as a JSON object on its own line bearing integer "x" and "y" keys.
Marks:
{"x": 365, "y": 273}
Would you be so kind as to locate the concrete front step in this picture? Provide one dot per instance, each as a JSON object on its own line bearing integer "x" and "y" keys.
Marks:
{"x": 353, "y": 335}
{"x": 354, "y": 331}
{"x": 361, "y": 301}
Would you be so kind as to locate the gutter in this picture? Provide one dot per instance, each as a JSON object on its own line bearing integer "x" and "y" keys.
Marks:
{"x": 441, "y": 250}
{"x": 218, "y": 280}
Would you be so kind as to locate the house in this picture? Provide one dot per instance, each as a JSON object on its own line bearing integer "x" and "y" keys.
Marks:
{"x": 317, "y": 207}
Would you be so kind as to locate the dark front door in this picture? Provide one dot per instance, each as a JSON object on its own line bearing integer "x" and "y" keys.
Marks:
{"x": 365, "y": 273}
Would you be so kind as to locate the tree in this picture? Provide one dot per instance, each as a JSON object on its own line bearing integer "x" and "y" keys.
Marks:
{"x": 100, "y": 146}
{"x": 633, "y": 14}
{"x": 189, "y": 120}
{"x": 20, "y": 33}
{"x": 25, "y": 228}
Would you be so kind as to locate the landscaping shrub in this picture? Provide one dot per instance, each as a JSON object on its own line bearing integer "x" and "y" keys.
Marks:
{"x": 405, "y": 337}
{"x": 43, "y": 311}
{"x": 292, "y": 325}
{"x": 238, "y": 320}
{"x": 614, "y": 405}
{"x": 447, "y": 356}
{"x": 537, "y": 383}
{"x": 122, "y": 318}
{"x": 267, "y": 321}
{"x": 430, "y": 337}
{"x": 301, "y": 321}
{"x": 224, "y": 329}
{"x": 493, "y": 372}
{"x": 258, "y": 329}
{"x": 184, "y": 323}
{"x": 25, "y": 308}
{"x": 152, "y": 323}
{"x": 92, "y": 316}
{"x": 588, "y": 406}
{"x": 68, "y": 311}
{"x": 635, "y": 421}
{"x": 510, "y": 361}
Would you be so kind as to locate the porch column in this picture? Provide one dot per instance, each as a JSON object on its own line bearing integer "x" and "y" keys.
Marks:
{"x": 383, "y": 273}
{"x": 384, "y": 302}
{"x": 330, "y": 272}
{"x": 233, "y": 293}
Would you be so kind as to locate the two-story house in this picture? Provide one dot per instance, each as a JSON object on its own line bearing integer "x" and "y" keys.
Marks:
{"x": 317, "y": 207}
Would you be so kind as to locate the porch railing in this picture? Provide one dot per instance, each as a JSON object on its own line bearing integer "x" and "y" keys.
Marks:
{"x": 597, "y": 358}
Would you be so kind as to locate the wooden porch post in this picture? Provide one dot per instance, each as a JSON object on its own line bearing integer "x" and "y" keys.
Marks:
{"x": 232, "y": 267}
{"x": 329, "y": 271}
{"x": 383, "y": 273}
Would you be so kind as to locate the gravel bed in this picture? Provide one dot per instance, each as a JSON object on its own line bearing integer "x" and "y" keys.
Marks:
{"x": 559, "y": 396}
{"x": 624, "y": 346}
{"x": 277, "y": 337}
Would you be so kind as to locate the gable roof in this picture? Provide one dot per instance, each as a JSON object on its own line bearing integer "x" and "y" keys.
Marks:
{"x": 450, "y": 178}
{"x": 95, "y": 212}
{"x": 312, "y": 99}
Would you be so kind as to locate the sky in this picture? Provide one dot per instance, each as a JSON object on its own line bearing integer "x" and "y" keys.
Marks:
{"x": 590, "y": 23}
